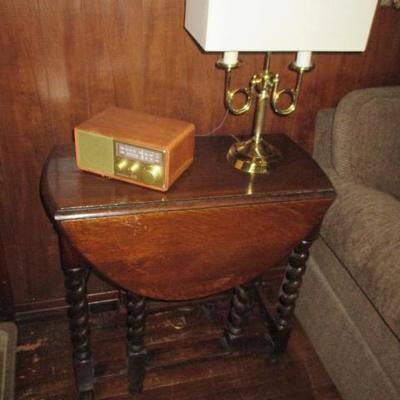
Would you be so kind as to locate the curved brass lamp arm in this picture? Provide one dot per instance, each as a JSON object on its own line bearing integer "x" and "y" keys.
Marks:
{"x": 258, "y": 84}
{"x": 293, "y": 94}
{"x": 230, "y": 95}
{"x": 276, "y": 95}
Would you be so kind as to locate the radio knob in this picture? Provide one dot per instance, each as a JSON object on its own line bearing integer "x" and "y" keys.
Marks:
{"x": 122, "y": 165}
{"x": 135, "y": 167}
{"x": 151, "y": 173}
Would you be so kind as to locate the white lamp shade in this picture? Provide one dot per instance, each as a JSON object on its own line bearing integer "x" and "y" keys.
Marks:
{"x": 280, "y": 25}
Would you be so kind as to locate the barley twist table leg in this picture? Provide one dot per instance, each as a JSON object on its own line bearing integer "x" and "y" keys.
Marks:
{"x": 75, "y": 284}
{"x": 289, "y": 293}
{"x": 237, "y": 315}
{"x": 137, "y": 355}
{"x": 76, "y": 275}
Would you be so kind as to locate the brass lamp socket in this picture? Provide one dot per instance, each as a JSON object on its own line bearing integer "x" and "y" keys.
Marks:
{"x": 227, "y": 66}
{"x": 296, "y": 68}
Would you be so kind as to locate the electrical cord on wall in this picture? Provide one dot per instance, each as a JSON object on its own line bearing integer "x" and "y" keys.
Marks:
{"x": 219, "y": 126}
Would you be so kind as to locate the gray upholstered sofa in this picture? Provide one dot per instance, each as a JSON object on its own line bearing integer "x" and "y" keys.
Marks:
{"x": 350, "y": 301}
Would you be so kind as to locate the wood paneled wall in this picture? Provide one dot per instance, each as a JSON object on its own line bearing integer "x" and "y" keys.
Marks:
{"x": 62, "y": 61}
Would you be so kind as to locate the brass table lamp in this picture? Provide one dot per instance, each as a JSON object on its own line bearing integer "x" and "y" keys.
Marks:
{"x": 230, "y": 26}
{"x": 255, "y": 155}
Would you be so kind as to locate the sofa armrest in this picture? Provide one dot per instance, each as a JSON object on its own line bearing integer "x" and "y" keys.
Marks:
{"x": 323, "y": 137}
{"x": 366, "y": 140}
{"x": 362, "y": 228}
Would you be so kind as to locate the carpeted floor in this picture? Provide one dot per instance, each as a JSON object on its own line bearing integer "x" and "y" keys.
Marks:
{"x": 8, "y": 341}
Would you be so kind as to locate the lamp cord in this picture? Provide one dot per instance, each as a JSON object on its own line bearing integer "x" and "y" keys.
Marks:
{"x": 219, "y": 126}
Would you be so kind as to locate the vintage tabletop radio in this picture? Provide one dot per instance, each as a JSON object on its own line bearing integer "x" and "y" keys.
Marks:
{"x": 135, "y": 147}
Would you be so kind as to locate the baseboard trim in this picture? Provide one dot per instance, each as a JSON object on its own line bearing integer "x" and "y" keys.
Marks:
{"x": 97, "y": 302}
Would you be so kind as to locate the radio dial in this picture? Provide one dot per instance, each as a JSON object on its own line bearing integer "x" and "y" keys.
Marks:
{"x": 151, "y": 173}
{"x": 134, "y": 168}
{"x": 122, "y": 165}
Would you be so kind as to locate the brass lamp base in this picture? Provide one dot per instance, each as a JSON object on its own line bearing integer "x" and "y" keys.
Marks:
{"x": 252, "y": 157}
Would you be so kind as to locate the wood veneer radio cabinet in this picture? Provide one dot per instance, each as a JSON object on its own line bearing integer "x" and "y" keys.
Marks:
{"x": 216, "y": 229}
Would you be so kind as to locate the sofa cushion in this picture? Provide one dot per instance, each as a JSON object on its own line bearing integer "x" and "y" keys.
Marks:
{"x": 366, "y": 138}
{"x": 362, "y": 228}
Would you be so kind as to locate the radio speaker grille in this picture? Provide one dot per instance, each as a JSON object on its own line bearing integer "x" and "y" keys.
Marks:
{"x": 95, "y": 152}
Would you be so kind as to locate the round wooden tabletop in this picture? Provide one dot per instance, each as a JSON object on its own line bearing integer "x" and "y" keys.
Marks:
{"x": 214, "y": 229}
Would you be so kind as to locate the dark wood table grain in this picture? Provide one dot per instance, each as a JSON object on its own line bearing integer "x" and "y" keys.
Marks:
{"x": 216, "y": 229}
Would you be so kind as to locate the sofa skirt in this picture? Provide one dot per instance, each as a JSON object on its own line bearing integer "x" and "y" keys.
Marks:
{"x": 359, "y": 351}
